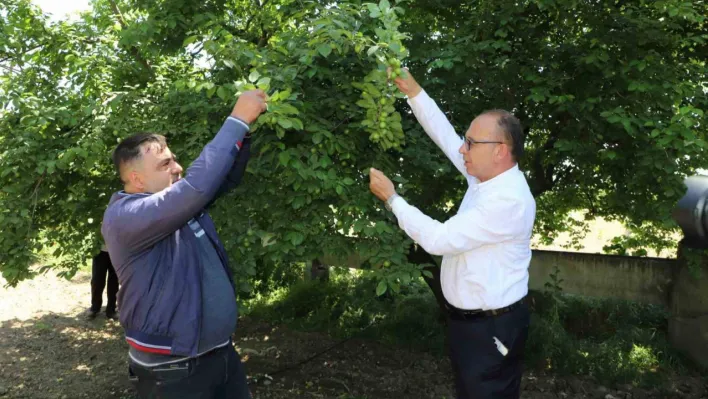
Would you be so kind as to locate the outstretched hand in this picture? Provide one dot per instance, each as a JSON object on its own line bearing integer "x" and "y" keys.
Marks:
{"x": 250, "y": 105}
{"x": 405, "y": 82}
{"x": 380, "y": 185}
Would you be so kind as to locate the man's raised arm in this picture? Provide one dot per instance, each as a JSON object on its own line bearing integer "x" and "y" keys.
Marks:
{"x": 432, "y": 119}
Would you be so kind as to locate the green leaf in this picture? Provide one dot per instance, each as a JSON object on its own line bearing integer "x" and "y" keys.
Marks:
{"x": 325, "y": 49}
{"x": 297, "y": 238}
{"x": 396, "y": 287}
{"x": 297, "y": 124}
{"x": 381, "y": 288}
{"x": 284, "y": 108}
{"x": 372, "y": 50}
{"x": 384, "y": 5}
{"x": 285, "y": 123}
{"x": 284, "y": 158}
{"x": 285, "y": 94}
{"x": 222, "y": 93}
{"x": 189, "y": 40}
{"x": 268, "y": 240}
{"x": 253, "y": 77}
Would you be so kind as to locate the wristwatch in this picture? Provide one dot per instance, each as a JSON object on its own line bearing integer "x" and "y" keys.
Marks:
{"x": 389, "y": 201}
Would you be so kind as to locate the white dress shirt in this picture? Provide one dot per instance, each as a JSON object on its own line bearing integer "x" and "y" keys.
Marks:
{"x": 486, "y": 246}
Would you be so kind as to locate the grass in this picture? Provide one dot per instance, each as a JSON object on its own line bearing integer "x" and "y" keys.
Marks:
{"x": 347, "y": 306}
{"x": 617, "y": 342}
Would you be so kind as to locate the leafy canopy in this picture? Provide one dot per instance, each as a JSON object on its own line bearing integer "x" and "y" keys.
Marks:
{"x": 612, "y": 96}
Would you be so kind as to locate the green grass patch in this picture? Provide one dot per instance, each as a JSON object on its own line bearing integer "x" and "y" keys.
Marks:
{"x": 347, "y": 306}
{"x": 615, "y": 341}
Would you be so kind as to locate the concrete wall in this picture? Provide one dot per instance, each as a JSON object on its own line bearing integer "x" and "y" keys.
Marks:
{"x": 649, "y": 280}
{"x": 645, "y": 280}
{"x": 688, "y": 325}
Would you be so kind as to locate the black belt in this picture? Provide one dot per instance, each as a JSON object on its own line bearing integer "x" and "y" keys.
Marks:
{"x": 462, "y": 314}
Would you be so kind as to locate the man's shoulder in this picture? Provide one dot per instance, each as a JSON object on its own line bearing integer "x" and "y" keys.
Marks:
{"x": 121, "y": 199}
{"x": 519, "y": 185}
{"x": 119, "y": 202}
{"x": 513, "y": 193}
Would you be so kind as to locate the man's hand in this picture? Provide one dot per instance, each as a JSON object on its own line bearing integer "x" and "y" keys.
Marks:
{"x": 380, "y": 185}
{"x": 406, "y": 84}
{"x": 250, "y": 105}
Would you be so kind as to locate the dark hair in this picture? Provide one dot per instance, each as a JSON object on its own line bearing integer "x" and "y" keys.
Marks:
{"x": 513, "y": 132}
{"x": 129, "y": 149}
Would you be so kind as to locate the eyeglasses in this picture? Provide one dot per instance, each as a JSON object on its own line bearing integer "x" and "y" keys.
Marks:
{"x": 469, "y": 142}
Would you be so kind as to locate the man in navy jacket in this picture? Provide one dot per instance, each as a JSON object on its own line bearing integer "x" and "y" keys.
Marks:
{"x": 177, "y": 301}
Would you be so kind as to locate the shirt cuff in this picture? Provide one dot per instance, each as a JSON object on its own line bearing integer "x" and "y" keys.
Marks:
{"x": 240, "y": 121}
{"x": 231, "y": 134}
{"x": 420, "y": 99}
{"x": 397, "y": 205}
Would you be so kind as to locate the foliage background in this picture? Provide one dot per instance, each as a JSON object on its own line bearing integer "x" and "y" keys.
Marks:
{"x": 612, "y": 95}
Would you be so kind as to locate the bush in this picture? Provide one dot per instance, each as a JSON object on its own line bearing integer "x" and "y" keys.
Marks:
{"x": 615, "y": 341}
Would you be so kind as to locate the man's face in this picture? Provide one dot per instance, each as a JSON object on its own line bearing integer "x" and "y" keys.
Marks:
{"x": 484, "y": 152}
{"x": 158, "y": 168}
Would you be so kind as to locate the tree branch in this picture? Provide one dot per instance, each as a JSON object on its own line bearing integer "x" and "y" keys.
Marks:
{"x": 417, "y": 255}
{"x": 543, "y": 176}
{"x": 133, "y": 50}
{"x": 11, "y": 69}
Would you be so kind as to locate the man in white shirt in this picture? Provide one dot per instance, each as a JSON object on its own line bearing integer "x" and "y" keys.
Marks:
{"x": 485, "y": 246}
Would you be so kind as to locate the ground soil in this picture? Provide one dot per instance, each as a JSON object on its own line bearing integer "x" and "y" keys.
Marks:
{"x": 49, "y": 350}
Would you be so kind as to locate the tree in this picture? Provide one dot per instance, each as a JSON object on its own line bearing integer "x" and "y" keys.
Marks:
{"x": 612, "y": 96}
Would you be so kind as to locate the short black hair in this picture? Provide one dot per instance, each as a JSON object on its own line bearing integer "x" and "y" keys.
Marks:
{"x": 129, "y": 149}
{"x": 511, "y": 126}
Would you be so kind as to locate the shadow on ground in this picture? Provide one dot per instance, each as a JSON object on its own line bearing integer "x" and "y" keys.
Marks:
{"x": 58, "y": 356}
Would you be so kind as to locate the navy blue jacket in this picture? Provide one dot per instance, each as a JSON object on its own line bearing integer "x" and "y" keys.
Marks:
{"x": 155, "y": 252}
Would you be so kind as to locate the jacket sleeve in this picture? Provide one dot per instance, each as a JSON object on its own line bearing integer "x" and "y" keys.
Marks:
{"x": 139, "y": 221}
{"x": 235, "y": 175}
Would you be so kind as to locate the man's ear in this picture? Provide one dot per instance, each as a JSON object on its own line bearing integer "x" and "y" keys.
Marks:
{"x": 132, "y": 177}
{"x": 499, "y": 151}
{"x": 136, "y": 179}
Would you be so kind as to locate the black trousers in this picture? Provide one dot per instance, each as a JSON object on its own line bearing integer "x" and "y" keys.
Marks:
{"x": 218, "y": 374}
{"x": 480, "y": 369}
{"x": 101, "y": 266}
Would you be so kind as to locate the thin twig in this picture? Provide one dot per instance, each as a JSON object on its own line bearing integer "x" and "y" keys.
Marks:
{"x": 342, "y": 382}
{"x": 11, "y": 69}
{"x": 34, "y": 203}
{"x": 133, "y": 50}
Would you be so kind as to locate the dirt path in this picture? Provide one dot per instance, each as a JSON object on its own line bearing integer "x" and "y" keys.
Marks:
{"x": 47, "y": 350}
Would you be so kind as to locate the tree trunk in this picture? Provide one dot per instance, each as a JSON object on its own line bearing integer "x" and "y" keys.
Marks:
{"x": 319, "y": 271}
{"x": 419, "y": 256}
